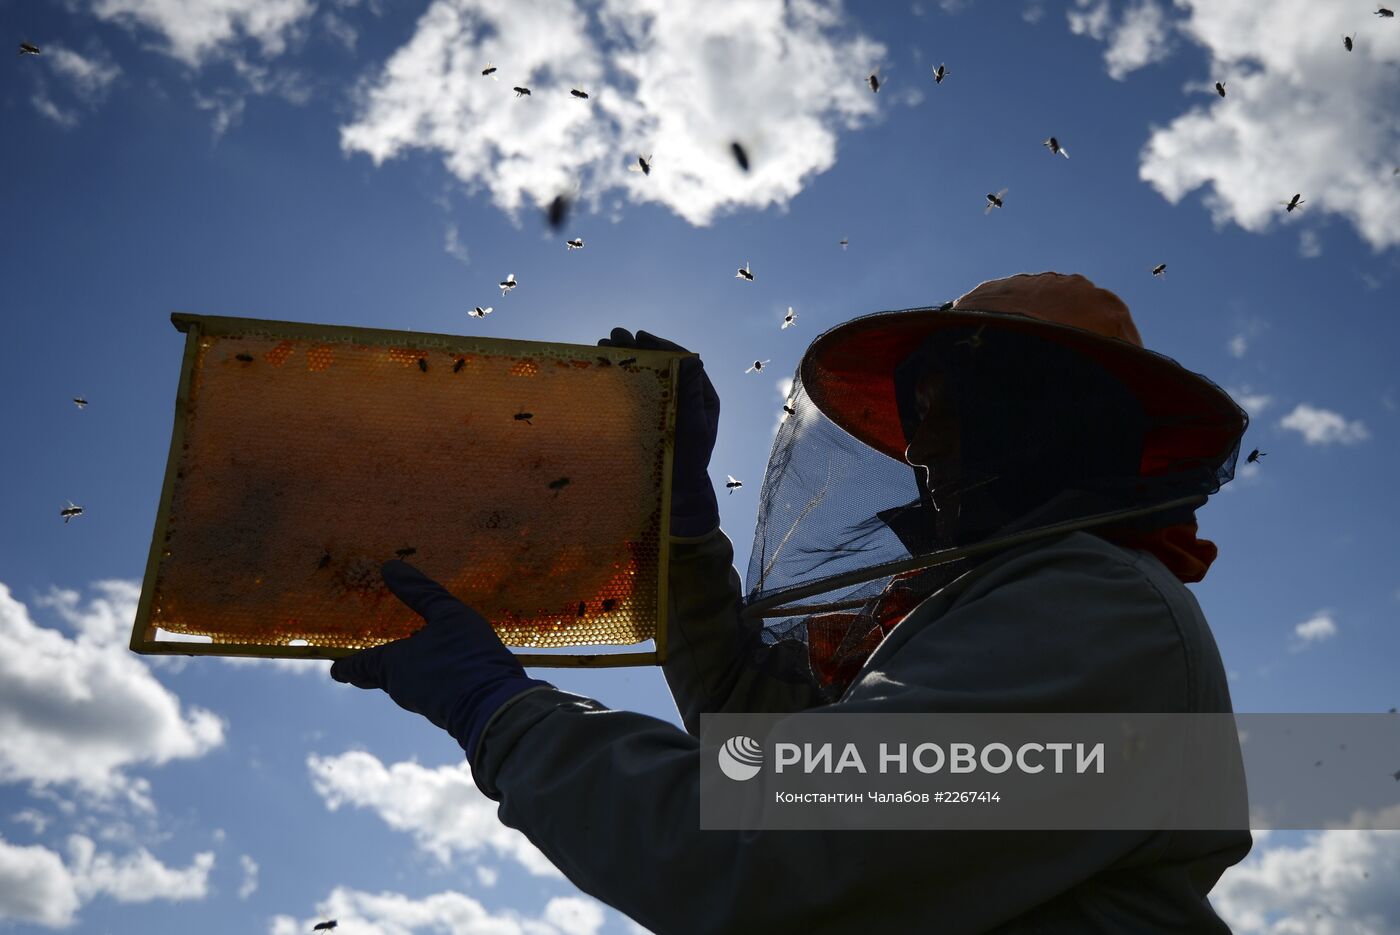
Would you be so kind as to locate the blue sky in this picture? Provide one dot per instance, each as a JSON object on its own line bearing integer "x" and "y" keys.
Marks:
{"x": 343, "y": 161}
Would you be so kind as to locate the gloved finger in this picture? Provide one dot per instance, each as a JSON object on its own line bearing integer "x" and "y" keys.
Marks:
{"x": 422, "y": 594}
{"x": 364, "y": 669}
{"x": 620, "y": 337}
{"x": 648, "y": 341}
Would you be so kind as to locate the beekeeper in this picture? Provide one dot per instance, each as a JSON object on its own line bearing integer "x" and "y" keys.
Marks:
{"x": 1030, "y": 555}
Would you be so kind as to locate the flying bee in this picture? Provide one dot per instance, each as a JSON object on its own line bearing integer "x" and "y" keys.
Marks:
{"x": 1254, "y": 456}
{"x": 423, "y": 364}
{"x": 581, "y": 95}
{"x": 70, "y": 511}
{"x": 582, "y": 608}
{"x": 457, "y": 367}
{"x": 1220, "y": 88}
{"x": 575, "y": 244}
{"x": 1292, "y": 203}
{"x": 1346, "y": 43}
{"x": 490, "y": 72}
{"x": 1160, "y": 270}
{"x": 79, "y": 401}
{"x": 789, "y": 410}
{"x": 994, "y": 201}
{"x": 609, "y": 603}
{"x": 744, "y": 273}
{"x": 758, "y": 366}
{"x": 627, "y": 361}
{"x": 1054, "y": 146}
{"x": 559, "y": 484}
{"x": 843, "y": 242}
{"x": 405, "y": 552}
{"x": 28, "y": 48}
{"x": 325, "y": 560}
{"x": 521, "y": 92}
{"x": 789, "y": 319}
{"x": 327, "y": 926}
{"x": 1383, "y": 13}
{"x": 643, "y": 165}
{"x": 525, "y": 417}
{"x": 873, "y": 79}
{"x": 246, "y": 358}
{"x": 480, "y": 312}
{"x": 939, "y": 74}
{"x": 508, "y": 284}
{"x": 557, "y": 212}
{"x": 741, "y": 157}
{"x": 733, "y": 483}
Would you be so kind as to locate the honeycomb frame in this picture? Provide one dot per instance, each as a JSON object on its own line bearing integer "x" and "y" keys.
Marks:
{"x": 240, "y": 528}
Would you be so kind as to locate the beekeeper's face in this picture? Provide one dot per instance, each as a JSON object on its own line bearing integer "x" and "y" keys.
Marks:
{"x": 934, "y": 446}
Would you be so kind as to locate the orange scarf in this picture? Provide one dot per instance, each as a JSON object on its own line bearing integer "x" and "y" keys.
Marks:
{"x": 1177, "y": 547}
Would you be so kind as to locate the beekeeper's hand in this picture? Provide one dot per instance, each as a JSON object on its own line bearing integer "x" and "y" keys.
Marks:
{"x": 454, "y": 670}
{"x": 694, "y": 509}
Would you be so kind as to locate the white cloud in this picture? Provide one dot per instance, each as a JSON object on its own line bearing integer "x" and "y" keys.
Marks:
{"x": 35, "y": 819}
{"x": 1090, "y": 18}
{"x": 1251, "y": 402}
{"x": 1318, "y": 627}
{"x": 671, "y": 79}
{"x": 194, "y": 32}
{"x": 1139, "y": 39}
{"x": 1336, "y": 883}
{"x": 487, "y": 876}
{"x": 1300, "y": 115}
{"x": 90, "y": 77}
{"x": 1034, "y": 11}
{"x": 1309, "y": 245}
{"x": 35, "y": 886}
{"x": 84, "y": 710}
{"x": 1323, "y": 426}
{"x": 388, "y": 913}
{"x": 454, "y": 247}
{"x": 45, "y": 106}
{"x": 1238, "y": 345}
{"x": 250, "y": 877}
{"x": 442, "y": 808}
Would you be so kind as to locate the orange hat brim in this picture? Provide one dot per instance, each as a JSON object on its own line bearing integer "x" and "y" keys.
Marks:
{"x": 848, "y": 372}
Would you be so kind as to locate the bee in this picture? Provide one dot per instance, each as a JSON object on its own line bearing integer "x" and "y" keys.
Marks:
{"x": 627, "y": 361}
{"x": 575, "y": 244}
{"x": 525, "y": 417}
{"x": 581, "y": 95}
{"x": 1346, "y": 43}
{"x": 1383, "y": 13}
{"x": 521, "y": 92}
{"x": 457, "y": 367}
{"x": 28, "y": 48}
{"x": 1054, "y": 146}
{"x": 939, "y": 74}
{"x": 732, "y": 483}
{"x": 559, "y": 484}
{"x": 843, "y": 242}
{"x": 423, "y": 364}
{"x": 1160, "y": 270}
{"x": 405, "y": 552}
{"x": 758, "y": 366}
{"x": 490, "y": 72}
{"x": 1220, "y": 88}
{"x": 582, "y": 607}
{"x": 327, "y": 926}
{"x": 508, "y": 284}
{"x": 994, "y": 201}
{"x": 70, "y": 511}
{"x": 873, "y": 79}
{"x": 744, "y": 273}
{"x": 1254, "y": 456}
{"x": 246, "y": 358}
{"x": 79, "y": 401}
{"x": 609, "y": 603}
{"x": 741, "y": 157}
{"x": 325, "y": 560}
{"x": 480, "y": 312}
{"x": 1292, "y": 203}
{"x": 557, "y": 212}
{"x": 788, "y": 411}
{"x": 643, "y": 165}
{"x": 789, "y": 319}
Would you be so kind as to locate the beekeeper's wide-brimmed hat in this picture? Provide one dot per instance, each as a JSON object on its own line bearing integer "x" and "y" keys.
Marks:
{"x": 848, "y": 371}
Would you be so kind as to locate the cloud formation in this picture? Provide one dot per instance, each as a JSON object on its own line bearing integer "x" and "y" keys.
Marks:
{"x": 442, "y": 808}
{"x": 1315, "y": 629}
{"x": 396, "y": 914}
{"x": 193, "y": 32}
{"x": 669, "y": 79}
{"x": 1323, "y": 426}
{"x": 1140, "y": 37}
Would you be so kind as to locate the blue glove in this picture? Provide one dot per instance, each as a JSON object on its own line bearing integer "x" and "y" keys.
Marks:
{"x": 694, "y": 509}
{"x": 455, "y": 671}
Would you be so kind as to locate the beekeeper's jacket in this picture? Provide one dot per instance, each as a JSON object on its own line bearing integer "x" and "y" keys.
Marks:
{"x": 1069, "y": 624}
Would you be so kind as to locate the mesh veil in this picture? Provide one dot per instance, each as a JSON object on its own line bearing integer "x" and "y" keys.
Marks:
{"x": 848, "y": 539}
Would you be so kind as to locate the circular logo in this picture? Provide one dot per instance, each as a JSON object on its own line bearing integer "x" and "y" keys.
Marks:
{"x": 741, "y": 758}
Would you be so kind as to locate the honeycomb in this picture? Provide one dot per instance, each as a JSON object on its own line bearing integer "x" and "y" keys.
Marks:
{"x": 527, "y": 478}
